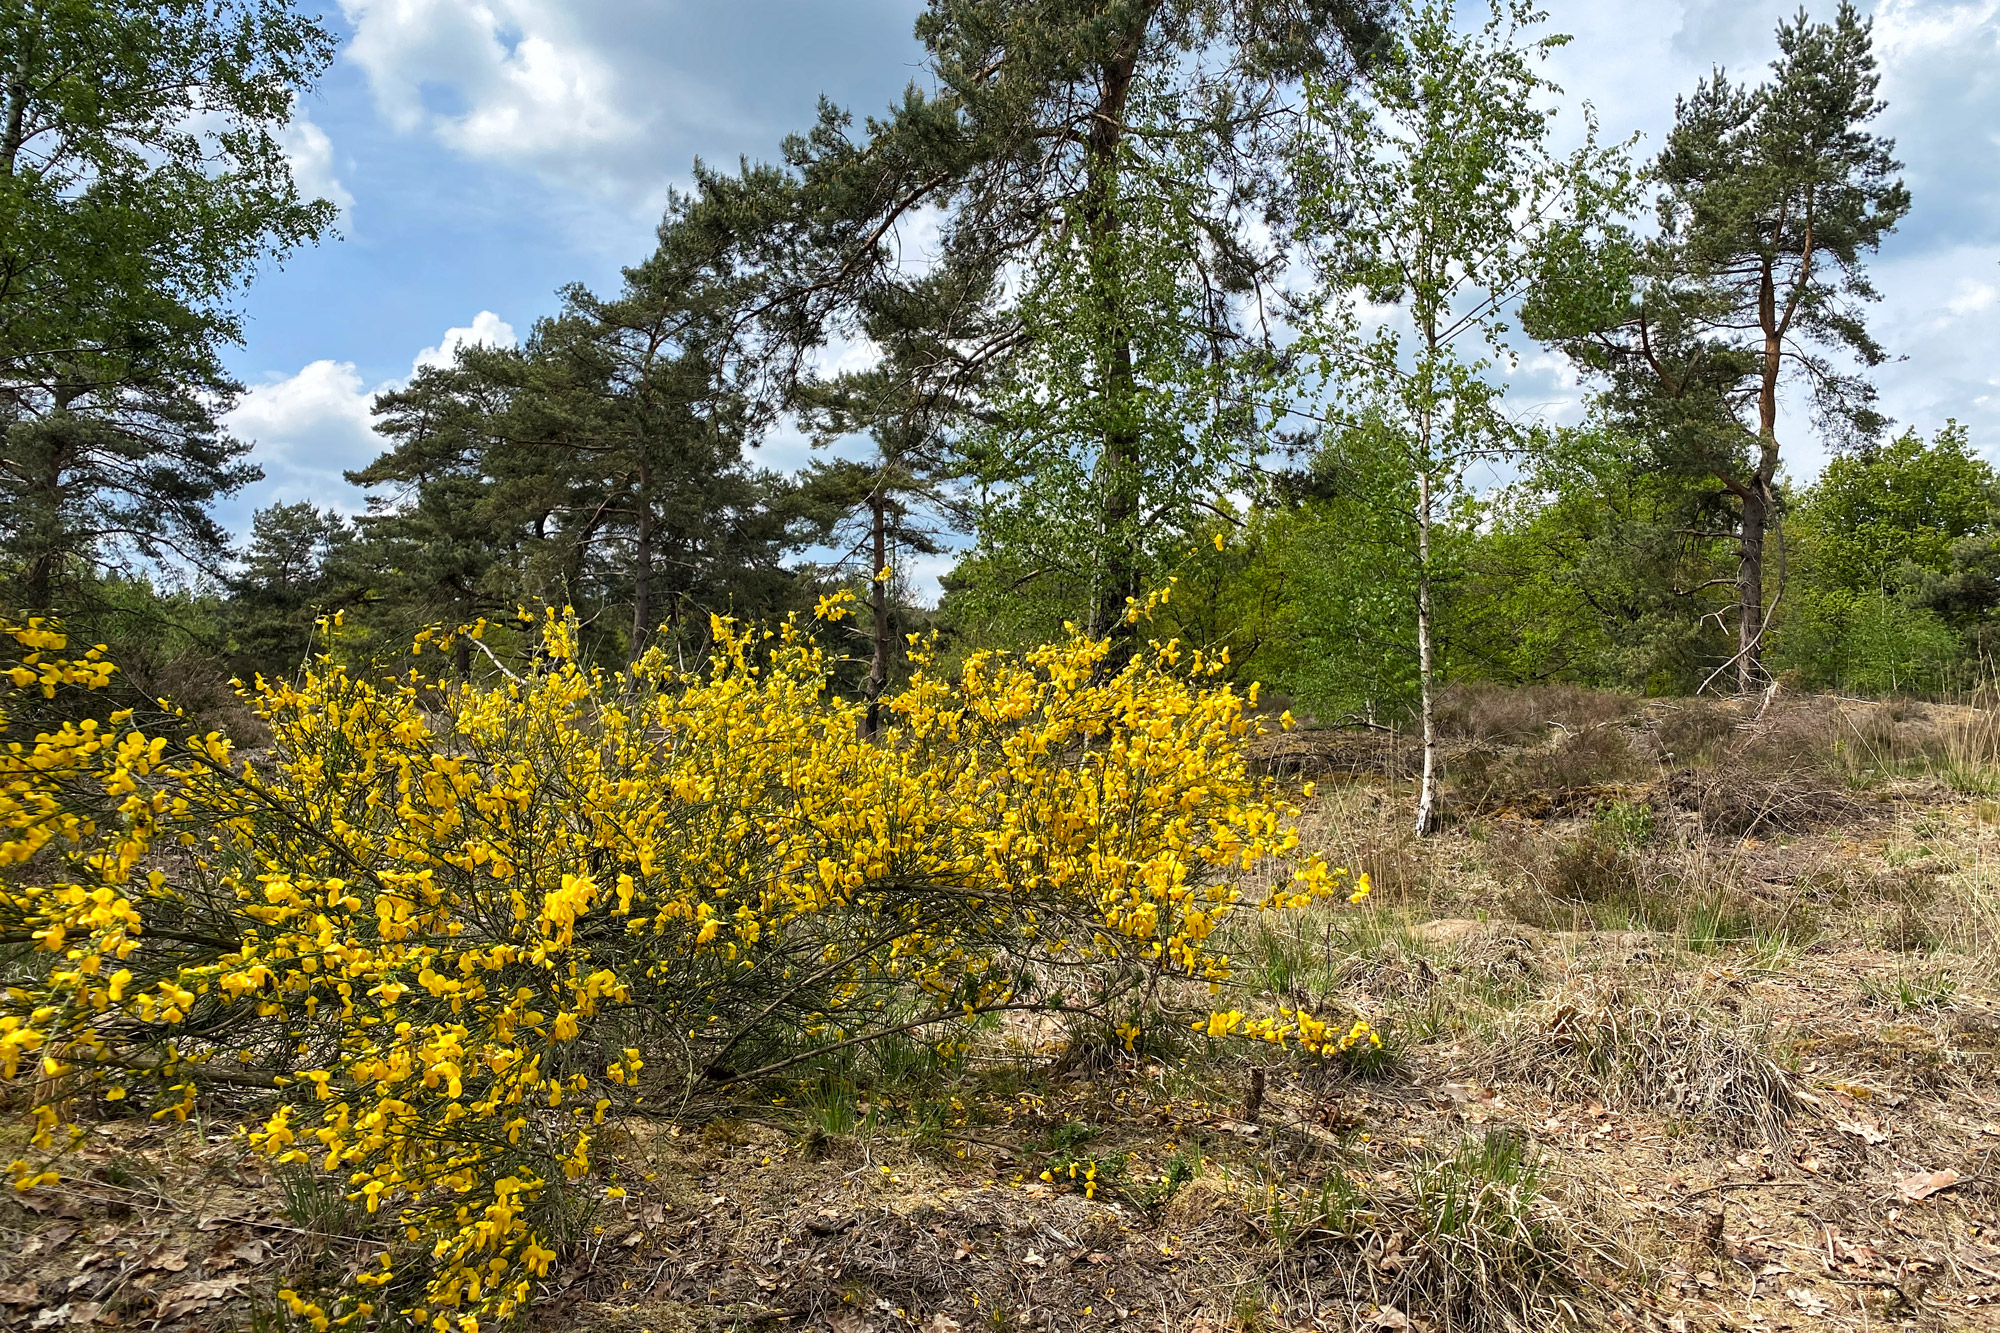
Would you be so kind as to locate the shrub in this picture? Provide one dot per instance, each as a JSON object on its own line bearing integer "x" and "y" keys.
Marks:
{"x": 1546, "y": 779}
{"x": 1487, "y": 713}
{"x": 452, "y": 929}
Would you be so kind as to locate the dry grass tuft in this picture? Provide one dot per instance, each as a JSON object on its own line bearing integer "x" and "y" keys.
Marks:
{"x": 1672, "y": 1051}
{"x": 1472, "y": 1237}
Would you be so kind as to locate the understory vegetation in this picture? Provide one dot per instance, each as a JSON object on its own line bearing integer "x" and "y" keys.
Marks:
{"x": 411, "y": 1015}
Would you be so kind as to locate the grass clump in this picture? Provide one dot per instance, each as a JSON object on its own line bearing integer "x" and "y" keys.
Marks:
{"x": 1912, "y": 992}
{"x": 1469, "y": 1235}
{"x": 1669, "y": 1051}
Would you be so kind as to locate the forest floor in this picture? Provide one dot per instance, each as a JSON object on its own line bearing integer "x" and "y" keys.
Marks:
{"x": 1691, "y": 1021}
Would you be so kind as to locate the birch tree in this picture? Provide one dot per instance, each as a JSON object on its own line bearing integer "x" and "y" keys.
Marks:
{"x": 1436, "y": 202}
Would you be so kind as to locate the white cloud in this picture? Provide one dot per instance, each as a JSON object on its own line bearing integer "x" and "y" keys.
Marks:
{"x": 487, "y": 330}
{"x": 527, "y": 82}
{"x": 306, "y": 430}
{"x": 310, "y": 154}
{"x": 310, "y": 428}
{"x": 1904, "y": 27}
{"x": 614, "y": 98}
{"x": 1972, "y": 298}
{"x": 491, "y": 78}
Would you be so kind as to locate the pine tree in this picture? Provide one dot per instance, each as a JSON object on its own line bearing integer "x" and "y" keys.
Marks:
{"x": 602, "y": 465}
{"x": 908, "y": 404}
{"x": 1119, "y": 156}
{"x": 1771, "y": 197}
{"x": 290, "y": 572}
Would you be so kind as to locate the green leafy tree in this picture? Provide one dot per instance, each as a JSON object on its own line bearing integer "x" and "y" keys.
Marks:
{"x": 1771, "y": 198}
{"x": 1441, "y": 205}
{"x": 1885, "y": 545}
{"x": 1597, "y": 567}
{"x": 141, "y": 183}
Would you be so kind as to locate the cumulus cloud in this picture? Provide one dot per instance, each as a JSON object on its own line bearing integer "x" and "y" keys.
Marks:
{"x": 486, "y": 330}
{"x": 309, "y": 428}
{"x": 614, "y": 98}
{"x": 310, "y": 154}
{"x": 570, "y": 90}
{"x": 511, "y": 79}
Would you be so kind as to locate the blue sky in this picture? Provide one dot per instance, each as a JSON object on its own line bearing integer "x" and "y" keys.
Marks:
{"x": 486, "y": 152}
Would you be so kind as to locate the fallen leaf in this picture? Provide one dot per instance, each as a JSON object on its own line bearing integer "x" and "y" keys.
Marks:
{"x": 1034, "y": 1260}
{"x": 251, "y": 1252}
{"x": 1867, "y": 1133}
{"x": 51, "y": 1240}
{"x": 1926, "y": 1183}
{"x": 1097, "y": 1257}
{"x": 941, "y": 1323}
{"x": 632, "y": 1240}
{"x": 182, "y": 1301}
{"x": 166, "y": 1260}
{"x": 846, "y": 1321}
{"x": 20, "y": 1293}
{"x": 1809, "y": 1303}
{"x": 1390, "y": 1317}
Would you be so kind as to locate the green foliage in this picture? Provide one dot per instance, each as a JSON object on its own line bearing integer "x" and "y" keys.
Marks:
{"x": 1870, "y": 514}
{"x": 601, "y": 466}
{"x": 1884, "y": 544}
{"x": 1597, "y": 571}
{"x": 142, "y": 181}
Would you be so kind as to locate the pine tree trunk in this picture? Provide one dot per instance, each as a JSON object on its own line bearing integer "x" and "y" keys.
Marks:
{"x": 642, "y": 565}
{"x": 1758, "y": 495}
{"x": 878, "y": 670}
{"x": 1118, "y": 461}
{"x": 1750, "y": 592}
{"x": 48, "y": 543}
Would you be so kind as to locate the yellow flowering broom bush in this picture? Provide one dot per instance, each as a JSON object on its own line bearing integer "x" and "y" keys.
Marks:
{"x": 452, "y": 928}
